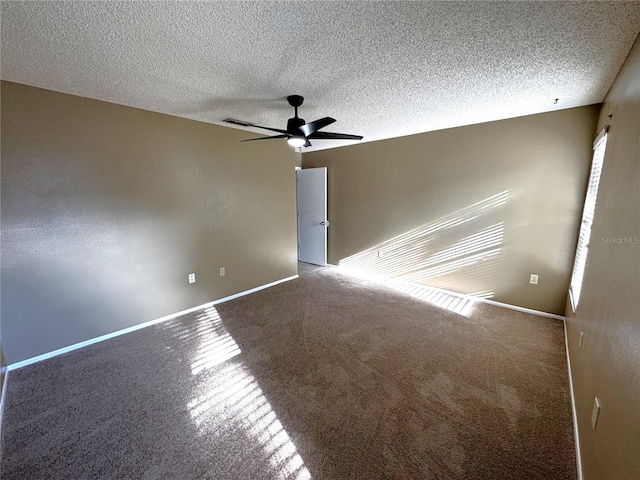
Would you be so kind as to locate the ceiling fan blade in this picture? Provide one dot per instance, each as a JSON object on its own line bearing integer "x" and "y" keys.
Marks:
{"x": 247, "y": 124}
{"x": 265, "y": 138}
{"x": 334, "y": 136}
{"x": 313, "y": 127}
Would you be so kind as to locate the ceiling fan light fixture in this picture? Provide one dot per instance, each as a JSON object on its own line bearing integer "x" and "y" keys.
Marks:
{"x": 296, "y": 141}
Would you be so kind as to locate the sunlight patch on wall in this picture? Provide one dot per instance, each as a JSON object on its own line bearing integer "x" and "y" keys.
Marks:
{"x": 468, "y": 251}
{"x": 467, "y": 243}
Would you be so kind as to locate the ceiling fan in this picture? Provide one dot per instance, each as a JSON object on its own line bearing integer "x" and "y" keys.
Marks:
{"x": 298, "y": 132}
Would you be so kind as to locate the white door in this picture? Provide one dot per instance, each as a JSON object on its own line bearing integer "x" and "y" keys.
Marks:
{"x": 312, "y": 215}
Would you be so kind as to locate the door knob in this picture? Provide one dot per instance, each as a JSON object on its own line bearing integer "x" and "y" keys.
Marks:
{"x": 325, "y": 223}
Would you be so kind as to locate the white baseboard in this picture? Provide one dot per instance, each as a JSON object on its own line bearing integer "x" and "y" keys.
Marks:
{"x": 573, "y": 405}
{"x": 102, "y": 338}
{"x": 519, "y": 309}
{"x": 2, "y": 396}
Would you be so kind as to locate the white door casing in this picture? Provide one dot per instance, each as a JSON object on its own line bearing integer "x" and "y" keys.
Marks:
{"x": 311, "y": 192}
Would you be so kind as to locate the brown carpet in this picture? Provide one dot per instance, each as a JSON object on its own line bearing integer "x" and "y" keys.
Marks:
{"x": 325, "y": 377}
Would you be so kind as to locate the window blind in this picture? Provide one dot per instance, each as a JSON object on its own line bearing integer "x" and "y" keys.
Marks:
{"x": 580, "y": 263}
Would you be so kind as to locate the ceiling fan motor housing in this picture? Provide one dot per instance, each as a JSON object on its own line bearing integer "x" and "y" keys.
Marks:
{"x": 294, "y": 124}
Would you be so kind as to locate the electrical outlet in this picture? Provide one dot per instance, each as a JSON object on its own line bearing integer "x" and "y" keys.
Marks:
{"x": 533, "y": 279}
{"x": 580, "y": 342}
{"x": 595, "y": 412}
{"x": 380, "y": 253}
{"x": 192, "y": 278}
{"x": 222, "y": 272}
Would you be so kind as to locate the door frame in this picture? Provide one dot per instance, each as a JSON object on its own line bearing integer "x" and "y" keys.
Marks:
{"x": 324, "y": 222}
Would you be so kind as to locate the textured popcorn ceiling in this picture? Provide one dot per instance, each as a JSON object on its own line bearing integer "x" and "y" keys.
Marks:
{"x": 381, "y": 69}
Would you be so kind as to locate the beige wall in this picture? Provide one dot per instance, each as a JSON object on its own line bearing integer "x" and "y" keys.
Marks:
{"x": 106, "y": 210}
{"x": 474, "y": 209}
{"x": 608, "y": 364}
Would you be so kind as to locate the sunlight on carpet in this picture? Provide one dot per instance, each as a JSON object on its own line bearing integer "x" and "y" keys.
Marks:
{"x": 460, "y": 304}
{"x": 233, "y": 396}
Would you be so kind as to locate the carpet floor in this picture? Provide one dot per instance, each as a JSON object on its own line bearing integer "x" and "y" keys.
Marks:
{"x": 329, "y": 376}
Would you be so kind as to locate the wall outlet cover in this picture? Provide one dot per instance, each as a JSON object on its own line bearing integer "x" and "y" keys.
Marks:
{"x": 533, "y": 279}
{"x": 222, "y": 271}
{"x": 192, "y": 278}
